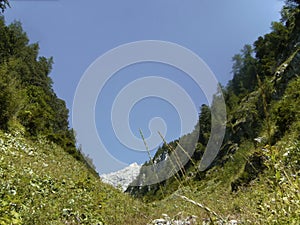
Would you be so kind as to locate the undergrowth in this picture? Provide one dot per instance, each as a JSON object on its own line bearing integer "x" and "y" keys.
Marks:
{"x": 42, "y": 184}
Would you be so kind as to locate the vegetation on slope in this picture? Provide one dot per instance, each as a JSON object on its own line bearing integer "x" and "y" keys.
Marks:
{"x": 40, "y": 183}
{"x": 255, "y": 177}
{"x": 44, "y": 179}
{"x": 26, "y": 90}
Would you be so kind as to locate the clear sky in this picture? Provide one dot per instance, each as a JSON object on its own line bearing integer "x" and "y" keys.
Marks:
{"x": 77, "y": 32}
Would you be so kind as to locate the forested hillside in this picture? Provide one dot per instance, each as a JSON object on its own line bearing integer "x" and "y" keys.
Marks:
{"x": 45, "y": 179}
{"x": 27, "y": 100}
{"x": 256, "y": 173}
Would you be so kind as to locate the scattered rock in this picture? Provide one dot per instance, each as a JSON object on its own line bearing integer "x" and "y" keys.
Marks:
{"x": 190, "y": 220}
{"x": 233, "y": 222}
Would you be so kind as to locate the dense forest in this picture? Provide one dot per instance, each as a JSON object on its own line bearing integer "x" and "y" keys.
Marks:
{"x": 45, "y": 178}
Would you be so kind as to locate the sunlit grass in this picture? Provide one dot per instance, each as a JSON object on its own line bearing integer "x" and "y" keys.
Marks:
{"x": 42, "y": 184}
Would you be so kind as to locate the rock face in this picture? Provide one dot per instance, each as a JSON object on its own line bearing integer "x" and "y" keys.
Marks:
{"x": 123, "y": 177}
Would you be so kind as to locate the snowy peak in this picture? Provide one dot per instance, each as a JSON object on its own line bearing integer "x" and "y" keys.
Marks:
{"x": 122, "y": 177}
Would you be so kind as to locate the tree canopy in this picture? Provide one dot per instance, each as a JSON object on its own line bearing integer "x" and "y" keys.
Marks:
{"x": 3, "y": 5}
{"x": 26, "y": 95}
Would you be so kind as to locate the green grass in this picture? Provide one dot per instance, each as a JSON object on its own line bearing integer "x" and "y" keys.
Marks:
{"x": 272, "y": 197}
{"x": 42, "y": 184}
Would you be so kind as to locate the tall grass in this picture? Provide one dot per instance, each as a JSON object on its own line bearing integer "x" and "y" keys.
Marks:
{"x": 152, "y": 162}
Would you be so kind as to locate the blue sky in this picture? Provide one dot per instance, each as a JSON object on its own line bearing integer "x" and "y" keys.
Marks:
{"x": 77, "y": 32}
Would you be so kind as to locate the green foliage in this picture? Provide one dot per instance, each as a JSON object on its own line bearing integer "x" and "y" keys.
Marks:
{"x": 26, "y": 90}
{"x": 40, "y": 183}
{"x": 204, "y": 124}
{"x": 287, "y": 111}
{"x": 255, "y": 177}
{"x": 244, "y": 72}
{"x": 40, "y": 180}
{"x": 293, "y": 3}
{"x": 272, "y": 48}
{"x": 3, "y": 5}
{"x": 11, "y": 96}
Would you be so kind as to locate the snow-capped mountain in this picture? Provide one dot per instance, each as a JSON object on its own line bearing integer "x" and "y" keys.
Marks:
{"x": 122, "y": 177}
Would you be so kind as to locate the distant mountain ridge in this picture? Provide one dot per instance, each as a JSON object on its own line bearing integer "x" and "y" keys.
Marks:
{"x": 122, "y": 177}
